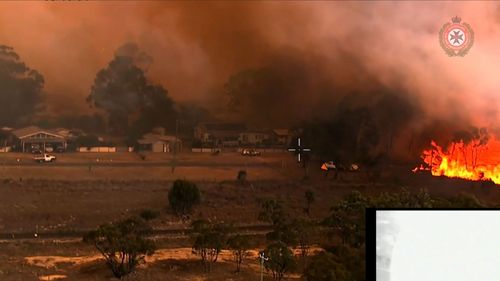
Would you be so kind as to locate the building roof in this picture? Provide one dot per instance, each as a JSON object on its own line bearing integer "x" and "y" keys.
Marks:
{"x": 255, "y": 132}
{"x": 281, "y": 132}
{"x": 33, "y": 130}
{"x": 153, "y": 138}
{"x": 224, "y": 126}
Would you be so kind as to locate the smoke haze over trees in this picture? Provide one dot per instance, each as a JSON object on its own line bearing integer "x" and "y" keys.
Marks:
{"x": 271, "y": 63}
{"x": 344, "y": 42}
{"x": 132, "y": 104}
{"x": 20, "y": 90}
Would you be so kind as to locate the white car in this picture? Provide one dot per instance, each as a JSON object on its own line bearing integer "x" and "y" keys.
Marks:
{"x": 250, "y": 152}
{"x": 44, "y": 158}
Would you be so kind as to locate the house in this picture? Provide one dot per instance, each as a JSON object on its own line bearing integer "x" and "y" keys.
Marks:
{"x": 159, "y": 143}
{"x": 5, "y": 132}
{"x": 253, "y": 138}
{"x": 282, "y": 136}
{"x": 33, "y": 138}
{"x": 219, "y": 134}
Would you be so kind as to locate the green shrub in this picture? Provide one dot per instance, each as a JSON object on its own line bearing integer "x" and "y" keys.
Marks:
{"x": 183, "y": 196}
{"x": 122, "y": 244}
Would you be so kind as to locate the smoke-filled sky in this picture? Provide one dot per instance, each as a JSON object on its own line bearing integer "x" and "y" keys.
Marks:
{"x": 196, "y": 47}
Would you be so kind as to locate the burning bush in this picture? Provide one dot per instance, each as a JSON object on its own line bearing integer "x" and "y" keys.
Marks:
{"x": 471, "y": 155}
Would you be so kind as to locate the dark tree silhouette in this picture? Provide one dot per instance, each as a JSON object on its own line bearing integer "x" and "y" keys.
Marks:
{"x": 183, "y": 196}
{"x": 132, "y": 103}
{"x": 20, "y": 91}
{"x": 123, "y": 244}
{"x": 325, "y": 267}
{"x": 239, "y": 246}
{"x": 209, "y": 239}
{"x": 280, "y": 260}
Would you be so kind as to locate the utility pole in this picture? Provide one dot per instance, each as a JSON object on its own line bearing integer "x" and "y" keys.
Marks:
{"x": 176, "y": 133}
{"x": 174, "y": 159}
{"x": 302, "y": 156}
{"x": 262, "y": 259}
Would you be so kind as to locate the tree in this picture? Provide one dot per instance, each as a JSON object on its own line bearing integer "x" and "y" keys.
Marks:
{"x": 183, "y": 196}
{"x": 254, "y": 93}
{"x": 348, "y": 136}
{"x": 21, "y": 89}
{"x": 309, "y": 195}
{"x": 404, "y": 199}
{"x": 463, "y": 200}
{"x": 122, "y": 244}
{"x": 148, "y": 215}
{"x": 325, "y": 267}
{"x": 209, "y": 239}
{"x": 87, "y": 141}
{"x": 353, "y": 259}
{"x": 347, "y": 219}
{"x": 304, "y": 230}
{"x": 272, "y": 211}
{"x": 133, "y": 105}
{"x": 92, "y": 124}
{"x": 239, "y": 245}
{"x": 280, "y": 260}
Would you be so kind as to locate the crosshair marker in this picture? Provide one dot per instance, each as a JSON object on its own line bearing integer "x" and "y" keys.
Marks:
{"x": 299, "y": 150}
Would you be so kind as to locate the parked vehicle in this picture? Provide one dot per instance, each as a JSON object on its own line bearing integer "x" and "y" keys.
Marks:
{"x": 41, "y": 158}
{"x": 328, "y": 166}
{"x": 250, "y": 152}
{"x": 60, "y": 149}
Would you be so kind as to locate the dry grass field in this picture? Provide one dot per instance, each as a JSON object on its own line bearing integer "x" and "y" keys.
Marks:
{"x": 62, "y": 198}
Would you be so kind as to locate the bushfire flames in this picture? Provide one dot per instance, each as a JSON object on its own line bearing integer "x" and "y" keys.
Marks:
{"x": 472, "y": 161}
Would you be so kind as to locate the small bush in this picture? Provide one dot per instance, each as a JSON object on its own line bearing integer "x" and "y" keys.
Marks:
{"x": 242, "y": 175}
{"x": 149, "y": 214}
{"x": 183, "y": 196}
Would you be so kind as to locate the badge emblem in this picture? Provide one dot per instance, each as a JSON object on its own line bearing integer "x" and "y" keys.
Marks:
{"x": 456, "y": 38}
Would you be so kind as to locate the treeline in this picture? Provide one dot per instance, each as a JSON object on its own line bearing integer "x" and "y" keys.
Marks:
{"x": 124, "y": 101}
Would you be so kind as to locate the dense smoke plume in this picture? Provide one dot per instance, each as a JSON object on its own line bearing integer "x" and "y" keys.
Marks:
{"x": 321, "y": 51}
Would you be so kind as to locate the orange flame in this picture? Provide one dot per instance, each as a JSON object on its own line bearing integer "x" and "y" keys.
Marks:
{"x": 470, "y": 161}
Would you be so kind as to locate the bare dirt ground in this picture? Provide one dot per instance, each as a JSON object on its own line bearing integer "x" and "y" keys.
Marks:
{"x": 69, "y": 198}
